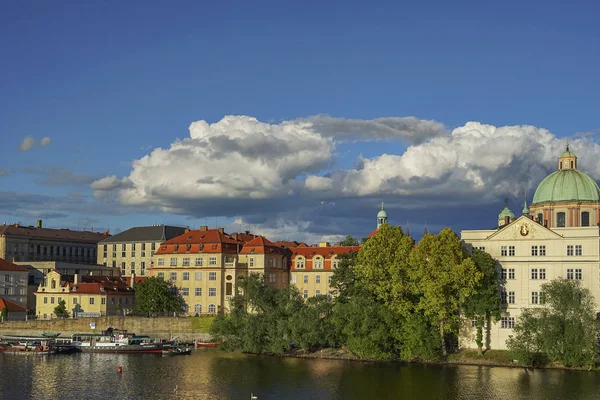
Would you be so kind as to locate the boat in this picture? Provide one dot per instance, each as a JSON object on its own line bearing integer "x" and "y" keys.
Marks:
{"x": 51, "y": 334}
{"x": 206, "y": 344}
{"x": 176, "y": 351}
{"x": 113, "y": 341}
{"x": 13, "y": 344}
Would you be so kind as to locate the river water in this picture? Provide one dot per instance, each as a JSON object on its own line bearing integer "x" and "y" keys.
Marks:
{"x": 210, "y": 374}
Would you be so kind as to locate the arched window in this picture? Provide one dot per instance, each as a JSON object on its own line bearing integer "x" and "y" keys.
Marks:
{"x": 53, "y": 284}
{"x": 300, "y": 262}
{"x": 560, "y": 165}
{"x": 560, "y": 220}
{"x": 572, "y": 163}
{"x": 318, "y": 262}
{"x": 212, "y": 309}
{"x": 585, "y": 218}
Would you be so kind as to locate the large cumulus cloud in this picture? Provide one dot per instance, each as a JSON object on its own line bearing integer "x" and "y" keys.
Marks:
{"x": 245, "y": 168}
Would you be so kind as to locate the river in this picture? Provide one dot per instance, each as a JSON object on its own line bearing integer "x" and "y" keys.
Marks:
{"x": 217, "y": 375}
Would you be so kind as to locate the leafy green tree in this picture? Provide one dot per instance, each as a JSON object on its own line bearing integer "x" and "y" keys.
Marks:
{"x": 382, "y": 268}
{"x": 349, "y": 241}
{"x": 61, "y": 309}
{"x": 343, "y": 280}
{"x": 443, "y": 278}
{"x": 419, "y": 338}
{"x": 564, "y": 330}
{"x": 155, "y": 295}
{"x": 311, "y": 327}
{"x": 3, "y": 314}
{"x": 484, "y": 303}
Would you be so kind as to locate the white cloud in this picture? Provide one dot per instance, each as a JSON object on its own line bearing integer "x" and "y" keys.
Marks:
{"x": 27, "y": 143}
{"x": 110, "y": 183}
{"x": 45, "y": 141}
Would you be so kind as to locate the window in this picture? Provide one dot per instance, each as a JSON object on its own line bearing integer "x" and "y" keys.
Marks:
{"x": 185, "y": 291}
{"x": 173, "y": 276}
{"x": 511, "y": 297}
{"x": 161, "y": 261}
{"x": 503, "y": 250}
{"x": 198, "y": 308}
{"x": 534, "y": 250}
{"x": 329, "y": 279}
{"x": 317, "y": 292}
{"x": 305, "y": 278}
{"x": 198, "y": 276}
{"x": 534, "y": 273}
{"x": 251, "y": 262}
{"x": 173, "y": 262}
{"x": 185, "y": 276}
{"x": 74, "y": 300}
{"x": 198, "y": 262}
{"x": 534, "y": 298}
{"x": 511, "y": 250}
{"x": 578, "y": 250}
{"x": 51, "y": 298}
{"x": 542, "y": 273}
{"x": 161, "y": 275}
{"x": 212, "y": 309}
{"x": 123, "y": 249}
{"x": 560, "y": 220}
{"x": 578, "y": 274}
{"x": 507, "y": 323}
{"x": 45, "y": 299}
{"x": 294, "y": 279}
{"x": 212, "y": 260}
{"x": 143, "y": 268}
{"x": 198, "y": 291}
{"x": 334, "y": 263}
{"x": 103, "y": 300}
{"x": 511, "y": 273}
{"x": 186, "y": 262}
{"x": 318, "y": 263}
{"x": 585, "y": 218}
{"x": 503, "y": 274}
{"x": 300, "y": 263}
{"x": 133, "y": 266}
{"x": 305, "y": 294}
{"x": 570, "y": 250}
{"x": 542, "y": 250}
{"x": 272, "y": 278}
{"x": 212, "y": 292}
{"x": 318, "y": 279}
{"x": 212, "y": 276}
{"x": 91, "y": 300}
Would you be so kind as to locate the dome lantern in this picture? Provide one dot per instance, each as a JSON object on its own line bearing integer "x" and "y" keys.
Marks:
{"x": 381, "y": 217}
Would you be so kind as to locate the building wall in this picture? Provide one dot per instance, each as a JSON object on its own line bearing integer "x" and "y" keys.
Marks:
{"x": 16, "y": 248}
{"x": 128, "y": 257}
{"x": 13, "y": 286}
{"x": 523, "y": 270}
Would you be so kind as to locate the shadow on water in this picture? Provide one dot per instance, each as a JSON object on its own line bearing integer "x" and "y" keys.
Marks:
{"x": 217, "y": 375}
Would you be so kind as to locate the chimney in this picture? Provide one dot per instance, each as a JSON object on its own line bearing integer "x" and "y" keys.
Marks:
{"x": 323, "y": 244}
{"x": 247, "y": 232}
{"x": 132, "y": 279}
{"x": 39, "y": 223}
{"x": 221, "y": 230}
{"x": 545, "y": 223}
{"x": 203, "y": 228}
{"x": 187, "y": 229}
{"x": 506, "y": 220}
{"x": 75, "y": 279}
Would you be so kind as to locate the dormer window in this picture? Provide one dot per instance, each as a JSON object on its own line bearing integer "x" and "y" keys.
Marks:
{"x": 188, "y": 247}
{"x": 175, "y": 247}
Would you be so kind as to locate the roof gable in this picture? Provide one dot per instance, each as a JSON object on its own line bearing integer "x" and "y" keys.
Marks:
{"x": 524, "y": 228}
{"x": 11, "y": 305}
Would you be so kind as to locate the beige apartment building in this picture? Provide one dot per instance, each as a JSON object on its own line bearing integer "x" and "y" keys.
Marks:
{"x": 206, "y": 264}
{"x": 13, "y": 282}
{"x": 85, "y": 296}
{"x": 36, "y": 243}
{"x": 556, "y": 237}
{"x": 131, "y": 251}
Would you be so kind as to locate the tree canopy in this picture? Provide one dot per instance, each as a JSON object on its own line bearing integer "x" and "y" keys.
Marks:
{"x": 349, "y": 241}
{"x": 155, "y": 295}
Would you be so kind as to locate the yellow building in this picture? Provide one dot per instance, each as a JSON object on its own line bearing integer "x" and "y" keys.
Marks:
{"x": 205, "y": 265}
{"x": 84, "y": 296}
{"x": 36, "y": 243}
{"x": 131, "y": 251}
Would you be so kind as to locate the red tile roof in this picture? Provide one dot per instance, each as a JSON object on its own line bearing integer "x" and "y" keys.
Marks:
{"x": 11, "y": 306}
{"x": 54, "y": 234}
{"x": 93, "y": 284}
{"x": 326, "y": 252}
{"x": 288, "y": 244}
{"x": 198, "y": 241}
{"x": 262, "y": 245}
{"x": 373, "y": 233}
{"x": 6, "y": 265}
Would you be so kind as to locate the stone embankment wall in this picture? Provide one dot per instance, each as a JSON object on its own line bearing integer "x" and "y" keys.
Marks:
{"x": 159, "y": 327}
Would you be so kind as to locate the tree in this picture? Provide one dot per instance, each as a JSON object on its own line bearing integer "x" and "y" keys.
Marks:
{"x": 485, "y": 302}
{"x": 443, "y": 278}
{"x": 155, "y": 295}
{"x": 311, "y": 327}
{"x": 349, "y": 241}
{"x": 382, "y": 268}
{"x": 61, "y": 309}
{"x": 564, "y": 330}
{"x": 343, "y": 280}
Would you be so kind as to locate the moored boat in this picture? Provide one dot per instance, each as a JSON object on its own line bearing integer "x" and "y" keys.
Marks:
{"x": 206, "y": 344}
{"x": 176, "y": 351}
{"x": 114, "y": 341}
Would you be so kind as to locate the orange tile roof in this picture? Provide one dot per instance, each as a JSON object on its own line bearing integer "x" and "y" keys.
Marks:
{"x": 198, "y": 241}
{"x": 373, "y": 233}
{"x": 6, "y": 265}
{"x": 262, "y": 245}
{"x": 11, "y": 306}
{"x": 288, "y": 244}
{"x": 326, "y": 252}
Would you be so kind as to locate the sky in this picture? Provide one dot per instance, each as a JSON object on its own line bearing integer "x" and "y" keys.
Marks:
{"x": 295, "y": 120}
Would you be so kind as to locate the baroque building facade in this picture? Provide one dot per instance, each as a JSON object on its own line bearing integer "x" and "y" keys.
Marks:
{"x": 556, "y": 237}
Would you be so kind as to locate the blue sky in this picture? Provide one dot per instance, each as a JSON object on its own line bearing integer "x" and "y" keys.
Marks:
{"x": 108, "y": 82}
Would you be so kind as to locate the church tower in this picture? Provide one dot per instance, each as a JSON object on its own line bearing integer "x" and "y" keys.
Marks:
{"x": 381, "y": 217}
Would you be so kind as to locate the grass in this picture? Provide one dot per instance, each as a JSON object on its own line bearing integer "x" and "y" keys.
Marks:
{"x": 202, "y": 324}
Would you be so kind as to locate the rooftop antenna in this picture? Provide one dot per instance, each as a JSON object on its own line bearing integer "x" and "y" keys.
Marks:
{"x": 426, "y": 231}
{"x": 407, "y": 228}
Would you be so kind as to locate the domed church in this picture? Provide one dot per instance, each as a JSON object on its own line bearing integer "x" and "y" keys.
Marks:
{"x": 557, "y": 235}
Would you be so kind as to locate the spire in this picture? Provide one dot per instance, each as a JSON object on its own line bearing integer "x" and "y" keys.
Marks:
{"x": 525, "y": 208}
{"x": 407, "y": 228}
{"x": 426, "y": 231}
{"x": 382, "y": 209}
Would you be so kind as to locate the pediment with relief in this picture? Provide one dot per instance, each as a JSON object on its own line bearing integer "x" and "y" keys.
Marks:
{"x": 524, "y": 228}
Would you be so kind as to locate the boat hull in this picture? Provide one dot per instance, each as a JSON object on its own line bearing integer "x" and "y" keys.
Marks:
{"x": 121, "y": 349}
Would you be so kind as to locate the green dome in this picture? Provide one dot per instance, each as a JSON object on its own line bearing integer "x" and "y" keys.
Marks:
{"x": 568, "y": 154}
{"x": 506, "y": 213}
{"x": 381, "y": 214}
{"x": 566, "y": 185}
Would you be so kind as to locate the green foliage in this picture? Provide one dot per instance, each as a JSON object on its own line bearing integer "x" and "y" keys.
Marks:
{"x": 3, "y": 314}
{"x": 443, "y": 276}
{"x": 349, "y": 241}
{"x": 61, "y": 309}
{"x": 485, "y": 301}
{"x": 311, "y": 327}
{"x": 564, "y": 330}
{"x": 420, "y": 339}
{"x": 343, "y": 280}
{"x": 202, "y": 324}
{"x": 155, "y": 295}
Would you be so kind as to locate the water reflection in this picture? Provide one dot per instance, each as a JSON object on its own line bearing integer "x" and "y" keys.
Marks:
{"x": 216, "y": 375}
